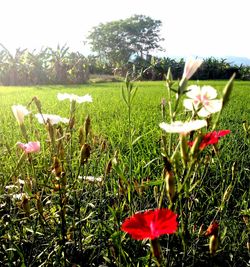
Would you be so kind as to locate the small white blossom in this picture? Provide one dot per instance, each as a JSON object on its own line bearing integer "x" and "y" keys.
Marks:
{"x": 21, "y": 182}
{"x": 182, "y": 127}
{"x": 54, "y": 119}
{"x": 19, "y": 196}
{"x": 73, "y": 97}
{"x": 19, "y": 112}
{"x": 91, "y": 179}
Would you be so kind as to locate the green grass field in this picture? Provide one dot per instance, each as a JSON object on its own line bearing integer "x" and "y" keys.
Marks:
{"x": 80, "y": 224}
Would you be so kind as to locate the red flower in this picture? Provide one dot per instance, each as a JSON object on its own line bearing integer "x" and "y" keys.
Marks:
{"x": 212, "y": 229}
{"x": 210, "y": 138}
{"x": 150, "y": 224}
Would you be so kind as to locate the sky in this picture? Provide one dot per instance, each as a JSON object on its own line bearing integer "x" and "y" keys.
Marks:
{"x": 202, "y": 28}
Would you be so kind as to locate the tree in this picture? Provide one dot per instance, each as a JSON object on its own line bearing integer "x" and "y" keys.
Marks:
{"x": 115, "y": 42}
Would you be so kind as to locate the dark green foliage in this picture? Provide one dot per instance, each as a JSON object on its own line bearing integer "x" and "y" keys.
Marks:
{"x": 115, "y": 42}
{"x": 45, "y": 67}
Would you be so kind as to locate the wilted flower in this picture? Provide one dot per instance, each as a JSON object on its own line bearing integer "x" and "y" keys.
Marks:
{"x": 202, "y": 99}
{"x": 30, "y": 147}
{"x": 72, "y": 97}
{"x": 54, "y": 119}
{"x": 150, "y": 224}
{"x": 19, "y": 112}
{"x": 210, "y": 138}
{"x": 182, "y": 127}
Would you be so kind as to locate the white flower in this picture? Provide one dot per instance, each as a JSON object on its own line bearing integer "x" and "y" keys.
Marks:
{"x": 7, "y": 187}
{"x": 191, "y": 67}
{"x": 54, "y": 119}
{"x": 21, "y": 182}
{"x": 20, "y": 196}
{"x": 19, "y": 112}
{"x": 91, "y": 179}
{"x": 203, "y": 100}
{"x": 182, "y": 127}
{"x": 72, "y": 97}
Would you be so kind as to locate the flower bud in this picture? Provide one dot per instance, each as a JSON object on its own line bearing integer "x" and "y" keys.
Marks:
{"x": 228, "y": 89}
{"x": 39, "y": 204}
{"x": 156, "y": 193}
{"x": 38, "y": 104}
{"x": 108, "y": 167}
{"x": 81, "y": 136}
{"x": 213, "y": 244}
{"x": 184, "y": 147}
{"x": 25, "y": 205}
{"x": 169, "y": 78}
{"x": 170, "y": 185}
{"x": 87, "y": 127}
{"x": 51, "y": 132}
{"x": 57, "y": 168}
{"x": 190, "y": 68}
{"x": 71, "y": 122}
{"x": 85, "y": 153}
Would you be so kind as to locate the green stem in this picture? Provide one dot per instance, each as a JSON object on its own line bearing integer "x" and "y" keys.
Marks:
{"x": 156, "y": 250}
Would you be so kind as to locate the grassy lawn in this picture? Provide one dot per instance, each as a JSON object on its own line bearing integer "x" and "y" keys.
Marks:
{"x": 80, "y": 223}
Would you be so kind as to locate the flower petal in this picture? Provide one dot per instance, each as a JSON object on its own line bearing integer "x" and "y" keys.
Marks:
{"x": 54, "y": 119}
{"x": 30, "y": 147}
{"x": 150, "y": 224}
{"x": 211, "y": 106}
{"x": 208, "y": 91}
{"x": 182, "y": 127}
{"x": 64, "y": 96}
{"x": 73, "y": 97}
{"x": 85, "y": 98}
{"x": 189, "y": 104}
{"x": 212, "y": 229}
{"x": 19, "y": 112}
{"x": 191, "y": 67}
{"x": 223, "y": 132}
{"x": 193, "y": 91}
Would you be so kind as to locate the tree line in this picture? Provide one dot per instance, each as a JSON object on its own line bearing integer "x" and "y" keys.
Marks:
{"x": 60, "y": 66}
{"x": 119, "y": 47}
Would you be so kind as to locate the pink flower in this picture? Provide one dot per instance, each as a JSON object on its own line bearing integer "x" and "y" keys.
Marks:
{"x": 150, "y": 224}
{"x": 202, "y": 99}
{"x": 30, "y": 147}
{"x": 191, "y": 67}
{"x": 210, "y": 138}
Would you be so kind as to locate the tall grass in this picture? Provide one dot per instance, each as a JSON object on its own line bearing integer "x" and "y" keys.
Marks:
{"x": 81, "y": 223}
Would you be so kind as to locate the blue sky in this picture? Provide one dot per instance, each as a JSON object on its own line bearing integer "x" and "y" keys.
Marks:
{"x": 190, "y": 28}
